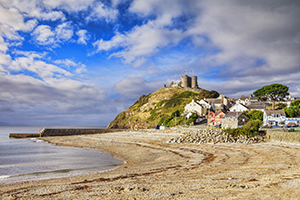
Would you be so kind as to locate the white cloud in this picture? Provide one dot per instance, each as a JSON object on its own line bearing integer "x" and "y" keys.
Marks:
{"x": 12, "y": 21}
{"x": 66, "y": 62}
{"x": 69, "y": 63}
{"x": 34, "y": 8}
{"x": 31, "y": 61}
{"x": 80, "y": 69}
{"x": 251, "y": 31}
{"x": 99, "y": 11}
{"x": 82, "y": 36}
{"x": 143, "y": 41}
{"x": 44, "y": 35}
{"x": 3, "y": 45}
{"x": 4, "y": 60}
{"x": 69, "y": 5}
{"x": 64, "y": 31}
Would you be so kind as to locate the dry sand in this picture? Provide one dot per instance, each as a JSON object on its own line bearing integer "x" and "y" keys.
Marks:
{"x": 159, "y": 170}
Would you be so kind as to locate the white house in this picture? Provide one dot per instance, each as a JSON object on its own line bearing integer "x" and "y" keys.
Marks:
{"x": 195, "y": 107}
{"x": 242, "y": 100}
{"x": 238, "y": 108}
{"x": 204, "y": 103}
{"x": 218, "y": 103}
{"x": 274, "y": 117}
{"x": 247, "y": 100}
{"x": 293, "y": 120}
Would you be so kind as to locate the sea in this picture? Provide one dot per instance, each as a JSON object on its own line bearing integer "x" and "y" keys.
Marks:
{"x": 32, "y": 159}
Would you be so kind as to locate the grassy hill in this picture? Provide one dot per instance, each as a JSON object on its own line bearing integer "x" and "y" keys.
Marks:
{"x": 159, "y": 107}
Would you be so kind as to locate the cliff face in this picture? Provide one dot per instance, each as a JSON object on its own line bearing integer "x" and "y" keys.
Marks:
{"x": 159, "y": 107}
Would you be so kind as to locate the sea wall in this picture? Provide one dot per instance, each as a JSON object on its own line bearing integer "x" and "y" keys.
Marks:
{"x": 24, "y": 135}
{"x": 281, "y": 136}
{"x": 46, "y": 132}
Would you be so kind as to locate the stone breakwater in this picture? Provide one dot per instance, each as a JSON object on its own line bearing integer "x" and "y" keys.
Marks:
{"x": 213, "y": 136}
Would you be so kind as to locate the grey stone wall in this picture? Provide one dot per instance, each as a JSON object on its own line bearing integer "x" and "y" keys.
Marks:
{"x": 293, "y": 137}
{"x": 65, "y": 132}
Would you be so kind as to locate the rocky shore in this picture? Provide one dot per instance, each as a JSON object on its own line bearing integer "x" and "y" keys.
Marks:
{"x": 213, "y": 136}
{"x": 156, "y": 169}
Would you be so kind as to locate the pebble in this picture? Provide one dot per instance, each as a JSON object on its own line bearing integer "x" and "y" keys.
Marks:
{"x": 213, "y": 136}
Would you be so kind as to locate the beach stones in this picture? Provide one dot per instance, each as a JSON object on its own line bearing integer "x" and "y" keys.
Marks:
{"x": 213, "y": 136}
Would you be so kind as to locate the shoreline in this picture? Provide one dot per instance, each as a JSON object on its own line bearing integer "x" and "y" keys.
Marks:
{"x": 155, "y": 169}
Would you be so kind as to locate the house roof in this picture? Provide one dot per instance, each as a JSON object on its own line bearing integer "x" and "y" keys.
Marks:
{"x": 243, "y": 98}
{"x": 270, "y": 112}
{"x": 233, "y": 114}
{"x": 253, "y": 99}
{"x": 238, "y": 104}
{"x": 256, "y": 105}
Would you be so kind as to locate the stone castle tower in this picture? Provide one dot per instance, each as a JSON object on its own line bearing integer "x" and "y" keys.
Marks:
{"x": 189, "y": 82}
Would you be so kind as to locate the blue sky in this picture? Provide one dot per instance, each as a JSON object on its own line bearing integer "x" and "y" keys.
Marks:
{"x": 81, "y": 62}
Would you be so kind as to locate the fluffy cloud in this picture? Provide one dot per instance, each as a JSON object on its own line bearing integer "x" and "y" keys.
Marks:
{"x": 82, "y": 36}
{"x": 143, "y": 41}
{"x": 69, "y": 63}
{"x": 99, "y": 11}
{"x": 31, "y": 62}
{"x": 44, "y": 35}
{"x": 249, "y": 32}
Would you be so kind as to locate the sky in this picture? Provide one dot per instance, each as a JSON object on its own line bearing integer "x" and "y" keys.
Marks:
{"x": 81, "y": 62}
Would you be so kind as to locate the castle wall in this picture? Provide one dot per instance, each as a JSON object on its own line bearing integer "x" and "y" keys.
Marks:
{"x": 186, "y": 81}
{"x": 194, "y": 83}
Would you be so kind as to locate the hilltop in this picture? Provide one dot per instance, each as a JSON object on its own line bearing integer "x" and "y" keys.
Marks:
{"x": 160, "y": 107}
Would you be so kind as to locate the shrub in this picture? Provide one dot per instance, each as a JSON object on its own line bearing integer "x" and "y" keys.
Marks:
{"x": 256, "y": 114}
{"x": 159, "y": 104}
{"x": 250, "y": 129}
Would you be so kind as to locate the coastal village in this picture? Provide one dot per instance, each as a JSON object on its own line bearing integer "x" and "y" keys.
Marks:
{"x": 224, "y": 112}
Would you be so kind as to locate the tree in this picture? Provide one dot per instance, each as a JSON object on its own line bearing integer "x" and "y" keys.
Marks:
{"x": 290, "y": 111}
{"x": 256, "y": 114}
{"x": 214, "y": 94}
{"x": 272, "y": 92}
{"x": 296, "y": 103}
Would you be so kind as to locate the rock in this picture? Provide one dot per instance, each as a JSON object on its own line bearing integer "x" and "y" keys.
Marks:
{"x": 213, "y": 136}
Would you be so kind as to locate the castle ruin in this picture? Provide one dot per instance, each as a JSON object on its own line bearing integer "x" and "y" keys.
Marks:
{"x": 189, "y": 82}
{"x": 186, "y": 82}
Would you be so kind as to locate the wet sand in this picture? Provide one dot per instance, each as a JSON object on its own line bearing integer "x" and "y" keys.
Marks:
{"x": 159, "y": 170}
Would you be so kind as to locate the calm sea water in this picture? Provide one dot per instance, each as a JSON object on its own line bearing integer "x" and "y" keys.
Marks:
{"x": 32, "y": 159}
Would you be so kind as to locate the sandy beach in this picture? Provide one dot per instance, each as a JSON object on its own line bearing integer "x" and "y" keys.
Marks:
{"x": 155, "y": 169}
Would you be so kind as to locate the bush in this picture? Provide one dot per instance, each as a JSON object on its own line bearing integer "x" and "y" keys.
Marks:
{"x": 250, "y": 129}
{"x": 256, "y": 114}
{"x": 290, "y": 111}
{"x": 159, "y": 104}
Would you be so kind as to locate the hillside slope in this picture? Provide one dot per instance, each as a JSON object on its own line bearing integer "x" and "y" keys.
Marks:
{"x": 159, "y": 107}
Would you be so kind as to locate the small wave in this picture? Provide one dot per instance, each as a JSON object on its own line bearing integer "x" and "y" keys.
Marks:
{"x": 4, "y": 177}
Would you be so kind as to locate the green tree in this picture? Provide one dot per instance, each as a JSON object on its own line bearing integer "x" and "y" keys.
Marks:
{"x": 296, "y": 103}
{"x": 290, "y": 112}
{"x": 256, "y": 114}
{"x": 272, "y": 92}
{"x": 214, "y": 94}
